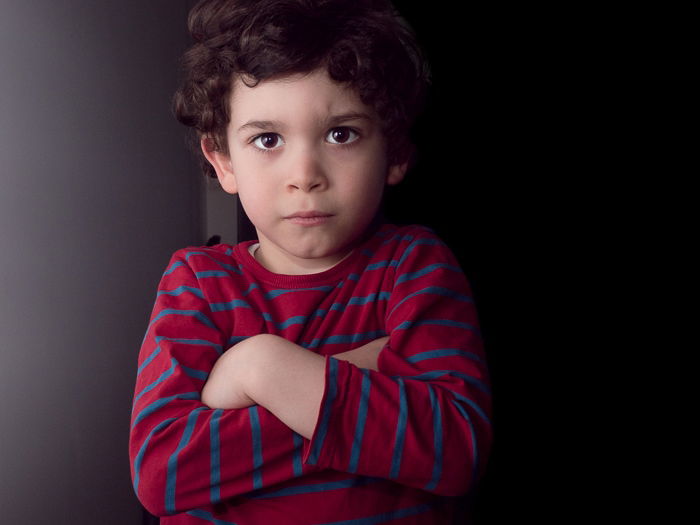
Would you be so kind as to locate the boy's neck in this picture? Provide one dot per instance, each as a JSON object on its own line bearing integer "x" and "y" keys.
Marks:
{"x": 296, "y": 266}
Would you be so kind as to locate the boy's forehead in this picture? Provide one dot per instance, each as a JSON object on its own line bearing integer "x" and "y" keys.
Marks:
{"x": 313, "y": 93}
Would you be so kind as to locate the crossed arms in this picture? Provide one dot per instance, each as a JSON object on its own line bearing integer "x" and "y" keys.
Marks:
{"x": 285, "y": 378}
{"x": 203, "y": 405}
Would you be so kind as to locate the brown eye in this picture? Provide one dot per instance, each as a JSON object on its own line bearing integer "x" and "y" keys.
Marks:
{"x": 342, "y": 136}
{"x": 268, "y": 141}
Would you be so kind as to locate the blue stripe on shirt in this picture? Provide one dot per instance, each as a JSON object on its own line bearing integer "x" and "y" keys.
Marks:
{"x": 476, "y": 408}
{"x": 194, "y": 373}
{"x": 174, "y": 364}
{"x": 297, "y": 462}
{"x": 435, "y": 290}
{"x": 142, "y": 451}
{"x": 322, "y": 429}
{"x": 148, "y": 360}
{"x": 229, "y": 305}
{"x": 344, "y": 339}
{"x": 353, "y": 301}
{"x": 396, "y": 237}
{"x": 381, "y": 296}
{"x": 211, "y": 273}
{"x": 314, "y": 488}
{"x": 216, "y": 261}
{"x": 436, "y": 374}
{"x": 171, "y": 476}
{"x": 437, "y": 440}
{"x": 276, "y": 293}
{"x": 188, "y": 313}
{"x": 475, "y": 451}
{"x": 381, "y": 264}
{"x": 215, "y": 460}
{"x": 439, "y": 322}
{"x": 182, "y": 289}
{"x": 425, "y": 271}
{"x": 208, "y": 516}
{"x": 253, "y": 286}
{"x": 165, "y": 375}
{"x": 297, "y": 319}
{"x": 173, "y": 267}
{"x": 419, "y": 242}
{"x": 360, "y": 423}
{"x": 197, "y": 342}
{"x": 158, "y": 404}
{"x": 257, "y": 447}
{"x": 400, "y": 431}
{"x": 442, "y": 352}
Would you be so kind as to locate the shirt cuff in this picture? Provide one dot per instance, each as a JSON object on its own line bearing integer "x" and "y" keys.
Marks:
{"x": 321, "y": 449}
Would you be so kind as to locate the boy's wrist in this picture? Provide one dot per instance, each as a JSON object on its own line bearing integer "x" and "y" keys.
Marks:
{"x": 228, "y": 384}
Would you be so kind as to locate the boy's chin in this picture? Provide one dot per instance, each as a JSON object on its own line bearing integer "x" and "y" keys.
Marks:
{"x": 301, "y": 260}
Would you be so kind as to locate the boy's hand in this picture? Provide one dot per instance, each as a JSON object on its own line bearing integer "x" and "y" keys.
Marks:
{"x": 225, "y": 385}
{"x": 365, "y": 356}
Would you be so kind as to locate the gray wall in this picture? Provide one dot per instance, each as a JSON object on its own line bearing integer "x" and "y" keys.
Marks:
{"x": 96, "y": 191}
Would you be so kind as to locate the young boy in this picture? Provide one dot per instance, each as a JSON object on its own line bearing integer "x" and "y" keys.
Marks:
{"x": 332, "y": 371}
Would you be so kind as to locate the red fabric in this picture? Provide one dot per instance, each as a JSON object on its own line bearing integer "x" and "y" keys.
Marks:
{"x": 389, "y": 446}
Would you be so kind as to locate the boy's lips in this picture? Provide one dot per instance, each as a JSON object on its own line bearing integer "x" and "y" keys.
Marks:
{"x": 308, "y": 218}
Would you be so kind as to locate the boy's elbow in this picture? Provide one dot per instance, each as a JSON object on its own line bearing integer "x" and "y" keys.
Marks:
{"x": 150, "y": 485}
{"x": 461, "y": 472}
{"x": 454, "y": 484}
{"x": 151, "y": 504}
{"x": 152, "y": 498}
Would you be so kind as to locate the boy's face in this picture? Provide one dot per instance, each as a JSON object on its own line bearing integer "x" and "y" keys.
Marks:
{"x": 308, "y": 160}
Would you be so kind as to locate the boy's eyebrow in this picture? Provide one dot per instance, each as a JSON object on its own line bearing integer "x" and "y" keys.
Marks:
{"x": 335, "y": 120}
{"x": 339, "y": 119}
{"x": 263, "y": 125}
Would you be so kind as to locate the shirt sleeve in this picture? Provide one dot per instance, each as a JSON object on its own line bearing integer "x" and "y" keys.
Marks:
{"x": 183, "y": 454}
{"x": 423, "y": 419}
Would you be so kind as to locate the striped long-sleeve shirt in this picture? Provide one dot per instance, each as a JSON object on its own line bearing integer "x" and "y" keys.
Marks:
{"x": 389, "y": 446}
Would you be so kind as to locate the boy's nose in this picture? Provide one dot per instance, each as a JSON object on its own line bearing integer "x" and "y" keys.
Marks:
{"x": 307, "y": 173}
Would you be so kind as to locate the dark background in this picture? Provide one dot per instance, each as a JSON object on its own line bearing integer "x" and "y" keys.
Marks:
{"x": 494, "y": 179}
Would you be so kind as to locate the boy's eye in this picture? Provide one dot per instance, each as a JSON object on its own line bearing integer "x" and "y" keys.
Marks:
{"x": 268, "y": 141}
{"x": 342, "y": 136}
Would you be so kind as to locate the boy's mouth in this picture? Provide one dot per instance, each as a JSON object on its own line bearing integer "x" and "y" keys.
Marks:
{"x": 308, "y": 218}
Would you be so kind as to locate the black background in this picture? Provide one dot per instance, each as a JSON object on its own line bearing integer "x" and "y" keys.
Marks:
{"x": 497, "y": 158}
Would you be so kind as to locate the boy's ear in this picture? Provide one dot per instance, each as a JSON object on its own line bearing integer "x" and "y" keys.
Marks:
{"x": 221, "y": 162}
{"x": 396, "y": 173}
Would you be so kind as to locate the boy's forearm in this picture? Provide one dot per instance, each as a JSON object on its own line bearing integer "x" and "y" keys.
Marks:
{"x": 225, "y": 386}
{"x": 270, "y": 371}
{"x": 281, "y": 376}
{"x": 288, "y": 380}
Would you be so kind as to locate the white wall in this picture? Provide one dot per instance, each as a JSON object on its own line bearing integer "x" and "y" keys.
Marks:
{"x": 96, "y": 191}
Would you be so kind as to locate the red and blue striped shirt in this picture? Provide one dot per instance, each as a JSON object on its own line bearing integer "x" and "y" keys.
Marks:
{"x": 392, "y": 445}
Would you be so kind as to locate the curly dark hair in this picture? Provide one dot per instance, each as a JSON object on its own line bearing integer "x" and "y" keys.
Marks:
{"x": 364, "y": 43}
